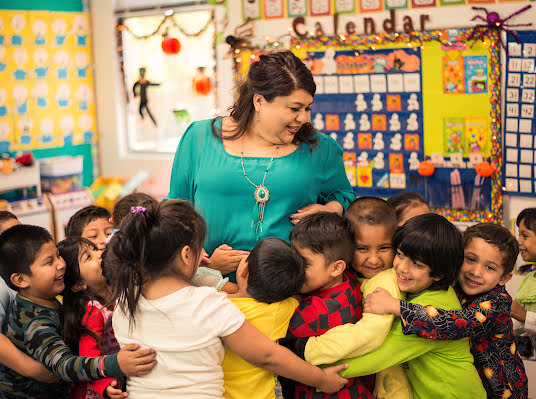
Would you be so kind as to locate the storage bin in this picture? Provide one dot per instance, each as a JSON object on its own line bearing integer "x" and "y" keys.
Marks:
{"x": 61, "y": 174}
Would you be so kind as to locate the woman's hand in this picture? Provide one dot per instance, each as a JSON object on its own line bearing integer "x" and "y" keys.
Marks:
{"x": 333, "y": 382}
{"x": 518, "y": 312}
{"x": 381, "y": 302}
{"x": 134, "y": 361}
{"x": 113, "y": 392}
{"x": 226, "y": 259}
{"x": 205, "y": 259}
{"x": 332, "y": 206}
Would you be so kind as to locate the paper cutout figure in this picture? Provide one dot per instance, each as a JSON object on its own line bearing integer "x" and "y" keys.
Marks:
{"x": 20, "y": 95}
{"x": 377, "y": 104}
{"x": 379, "y": 162}
{"x": 394, "y": 123}
{"x": 143, "y": 84}
{"x": 81, "y": 60}
{"x": 364, "y": 123}
{"x": 412, "y": 122}
{"x": 20, "y": 56}
{"x": 383, "y": 182}
{"x": 411, "y": 142}
{"x": 348, "y": 142}
{"x": 59, "y": 27}
{"x": 364, "y": 141}
{"x": 67, "y": 130}
{"x": 39, "y": 28}
{"x": 413, "y": 103}
{"x": 81, "y": 25}
{"x": 40, "y": 57}
{"x": 1, "y": 29}
{"x": 360, "y": 103}
{"x": 2, "y": 58}
{"x": 349, "y": 123}
{"x": 396, "y": 163}
{"x": 396, "y": 142}
{"x": 379, "y": 122}
{"x": 413, "y": 161}
{"x": 394, "y": 103}
{"x": 363, "y": 156}
{"x": 17, "y": 23}
{"x": 24, "y": 126}
{"x": 62, "y": 60}
{"x": 334, "y": 136}
{"x": 5, "y": 141}
{"x": 330, "y": 66}
{"x": 379, "y": 64}
{"x": 3, "y": 97}
{"x": 84, "y": 96}
{"x": 378, "y": 142}
{"x": 46, "y": 126}
{"x": 332, "y": 122}
{"x": 40, "y": 93}
{"x": 318, "y": 123}
{"x": 62, "y": 95}
{"x": 86, "y": 123}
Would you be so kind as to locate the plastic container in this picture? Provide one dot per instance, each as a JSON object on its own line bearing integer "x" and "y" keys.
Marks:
{"x": 61, "y": 174}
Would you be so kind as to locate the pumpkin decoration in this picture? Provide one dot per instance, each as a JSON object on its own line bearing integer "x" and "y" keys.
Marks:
{"x": 171, "y": 45}
{"x": 484, "y": 169}
{"x": 426, "y": 168}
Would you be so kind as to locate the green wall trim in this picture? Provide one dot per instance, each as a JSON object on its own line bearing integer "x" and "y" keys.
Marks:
{"x": 45, "y": 5}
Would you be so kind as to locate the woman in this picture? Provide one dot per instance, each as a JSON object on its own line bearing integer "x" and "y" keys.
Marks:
{"x": 260, "y": 170}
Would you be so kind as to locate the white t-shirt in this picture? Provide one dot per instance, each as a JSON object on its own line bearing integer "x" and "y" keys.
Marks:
{"x": 184, "y": 328}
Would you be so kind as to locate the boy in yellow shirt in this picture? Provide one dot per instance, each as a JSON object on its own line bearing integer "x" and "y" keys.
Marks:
{"x": 267, "y": 279}
{"x": 374, "y": 223}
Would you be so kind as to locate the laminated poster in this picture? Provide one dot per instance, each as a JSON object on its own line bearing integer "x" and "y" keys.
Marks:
{"x": 453, "y": 75}
{"x": 477, "y": 136}
{"x": 476, "y": 74}
{"x": 453, "y": 135}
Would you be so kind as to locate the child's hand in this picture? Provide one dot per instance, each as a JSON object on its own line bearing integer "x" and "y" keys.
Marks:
{"x": 333, "y": 382}
{"x": 518, "y": 312}
{"x": 113, "y": 392}
{"x": 134, "y": 361}
{"x": 226, "y": 259}
{"x": 381, "y": 302}
{"x": 205, "y": 259}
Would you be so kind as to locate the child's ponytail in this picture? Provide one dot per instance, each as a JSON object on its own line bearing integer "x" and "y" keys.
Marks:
{"x": 147, "y": 245}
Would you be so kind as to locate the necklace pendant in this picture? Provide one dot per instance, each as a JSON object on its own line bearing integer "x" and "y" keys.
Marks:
{"x": 262, "y": 194}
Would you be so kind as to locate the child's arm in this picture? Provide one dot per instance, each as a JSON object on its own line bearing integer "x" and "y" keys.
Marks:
{"x": 46, "y": 345}
{"x": 280, "y": 360}
{"x": 13, "y": 358}
{"x": 433, "y": 323}
{"x": 88, "y": 346}
{"x": 352, "y": 340}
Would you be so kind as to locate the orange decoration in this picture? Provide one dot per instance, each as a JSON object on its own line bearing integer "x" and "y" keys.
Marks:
{"x": 171, "y": 45}
{"x": 484, "y": 169}
{"x": 426, "y": 168}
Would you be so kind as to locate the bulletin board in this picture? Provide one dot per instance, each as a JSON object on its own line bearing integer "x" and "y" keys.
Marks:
{"x": 46, "y": 82}
{"x": 392, "y": 100}
{"x": 520, "y": 123}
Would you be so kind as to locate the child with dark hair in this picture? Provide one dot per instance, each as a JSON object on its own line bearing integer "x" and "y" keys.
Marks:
{"x": 326, "y": 243}
{"x": 7, "y": 220}
{"x": 429, "y": 253}
{"x": 91, "y": 222}
{"x": 123, "y": 206}
{"x": 267, "y": 279}
{"x": 87, "y": 322}
{"x": 7, "y": 295}
{"x": 152, "y": 259}
{"x": 408, "y": 205}
{"x": 374, "y": 224}
{"x": 490, "y": 252}
{"x": 524, "y": 306}
{"x": 31, "y": 265}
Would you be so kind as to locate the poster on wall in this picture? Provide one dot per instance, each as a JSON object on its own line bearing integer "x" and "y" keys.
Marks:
{"x": 519, "y": 120}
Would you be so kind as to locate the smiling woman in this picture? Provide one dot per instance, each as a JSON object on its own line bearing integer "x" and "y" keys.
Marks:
{"x": 260, "y": 170}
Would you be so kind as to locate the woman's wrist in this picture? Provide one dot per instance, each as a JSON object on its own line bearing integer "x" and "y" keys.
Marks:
{"x": 335, "y": 207}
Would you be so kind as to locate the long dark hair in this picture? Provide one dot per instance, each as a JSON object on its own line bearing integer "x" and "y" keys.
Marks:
{"x": 274, "y": 75}
{"x": 147, "y": 246}
{"x": 74, "y": 303}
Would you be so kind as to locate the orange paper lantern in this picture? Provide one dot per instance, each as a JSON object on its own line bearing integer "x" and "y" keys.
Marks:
{"x": 484, "y": 169}
{"x": 426, "y": 168}
{"x": 171, "y": 45}
{"x": 201, "y": 85}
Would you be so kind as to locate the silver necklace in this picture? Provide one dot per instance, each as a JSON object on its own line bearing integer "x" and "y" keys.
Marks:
{"x": 261, "y": 195}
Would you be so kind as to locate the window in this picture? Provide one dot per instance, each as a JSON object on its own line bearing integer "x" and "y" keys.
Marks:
{"x": 176, "y": 56}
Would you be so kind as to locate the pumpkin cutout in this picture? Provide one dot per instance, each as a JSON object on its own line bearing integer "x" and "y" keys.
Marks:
{"x": 171, "y": 45}
{"x": 426, "y": 168}
{"x": 484, "y": 169}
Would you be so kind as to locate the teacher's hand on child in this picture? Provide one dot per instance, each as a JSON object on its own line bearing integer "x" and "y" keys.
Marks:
{"x": 226, "y": 259}
{"x": 332, "y": 206}
{"x": 518, "y": 312}
{"x": 381, "y": 302}
{"x": 113, "y": 392}
{"x": 333, "y": 382}
{"x": 134, "y": 361}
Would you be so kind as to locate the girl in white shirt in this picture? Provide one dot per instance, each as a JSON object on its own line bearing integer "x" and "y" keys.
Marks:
{"x": 149, "y": 263}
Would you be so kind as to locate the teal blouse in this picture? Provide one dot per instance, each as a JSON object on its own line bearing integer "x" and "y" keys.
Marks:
{"x": 204, "y": 173}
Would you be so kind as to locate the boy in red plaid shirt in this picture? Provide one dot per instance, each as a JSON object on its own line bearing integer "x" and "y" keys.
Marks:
{"x": 326, "y": 243}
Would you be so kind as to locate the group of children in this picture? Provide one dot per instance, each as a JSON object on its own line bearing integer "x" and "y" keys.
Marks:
{"x": 390, "y": 300}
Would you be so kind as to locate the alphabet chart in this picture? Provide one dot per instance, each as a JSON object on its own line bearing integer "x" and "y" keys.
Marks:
{"x": 519, "y": 121}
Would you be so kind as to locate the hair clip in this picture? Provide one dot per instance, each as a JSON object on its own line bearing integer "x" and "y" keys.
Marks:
{"x": 138, "y": 209}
